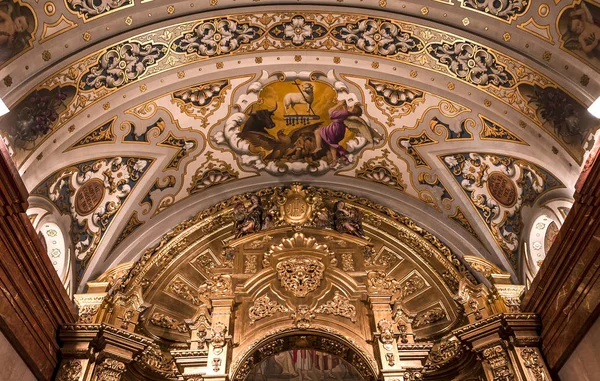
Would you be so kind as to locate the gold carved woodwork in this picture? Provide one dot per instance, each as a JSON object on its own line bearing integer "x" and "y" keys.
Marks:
{"x": 302, "y": 316}
{"x": 294, "y": 206}
{"x": 499, "y": 362}
{"x": 298, "y": 242}
{"x": 264, "y": 307}
{"x": 109, "y": 370}
{"x": 70, "y": 371}
{"x": 533, "y": 363}
{"x": 300, "y": 276}
{"x": 386, "y": 333}
{"x": 339, "y": 306}
{"x": 248, "y": 293}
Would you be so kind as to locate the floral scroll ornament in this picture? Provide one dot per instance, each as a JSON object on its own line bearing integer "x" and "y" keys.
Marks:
{"x": 122, "y": 64}
{"x": 216, "y": 37}
{"x": 264, "y": 307}
{"x": 93, "y": 8}
{"x": 298, "y": 30}
{"x": 431, "y": 316}
{"x": 507, "y": 10}
{"x": 377, "y": 36}
{"x": 472, "y": 63}
{"x": 70, "y": 371}
{"x": 532, "y": 362}
{"x": 339, "y": 306}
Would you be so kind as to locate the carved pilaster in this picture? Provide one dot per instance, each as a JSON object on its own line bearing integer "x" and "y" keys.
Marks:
{"x": 474, "y": 300}
{"x": 220, "y": 339}
{"x": 70, "y": 370}
{"x": 499, "y": 363}
{"x": 385, "y": 333}
{"x": 76, "y": 350}
{"x": 109, "y": 370}
{"x": 508, "y": 346}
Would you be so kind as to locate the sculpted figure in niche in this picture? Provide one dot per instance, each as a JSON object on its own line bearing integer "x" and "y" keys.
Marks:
{"x": 586, "y": 29}
{"x": 347, "y": 219}
{"x": 16, "y": 26}
{"x": 248, "y": 219}
{"x": 322, "y": 218}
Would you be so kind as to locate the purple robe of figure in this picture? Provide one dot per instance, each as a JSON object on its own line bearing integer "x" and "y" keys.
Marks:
{"x": 334, "y": 132}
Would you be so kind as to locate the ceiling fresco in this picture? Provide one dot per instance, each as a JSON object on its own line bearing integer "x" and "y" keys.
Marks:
{"x": 129, "y": 117}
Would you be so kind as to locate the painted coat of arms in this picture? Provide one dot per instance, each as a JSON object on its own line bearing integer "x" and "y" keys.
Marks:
{"x": 300, "y": 123}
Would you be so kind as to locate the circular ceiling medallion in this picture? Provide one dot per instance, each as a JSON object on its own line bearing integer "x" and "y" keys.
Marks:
{"x": 502, "y": 188}
{"x": 89, "y": 196}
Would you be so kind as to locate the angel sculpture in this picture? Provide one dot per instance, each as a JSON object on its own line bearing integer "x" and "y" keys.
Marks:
{"x": 343, "y": 118}
{"x": 248, "y": 219}
{"x": 347, "y": 219}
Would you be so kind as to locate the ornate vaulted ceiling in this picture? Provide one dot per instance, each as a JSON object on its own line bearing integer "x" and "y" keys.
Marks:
{"x": 127, "y": 118}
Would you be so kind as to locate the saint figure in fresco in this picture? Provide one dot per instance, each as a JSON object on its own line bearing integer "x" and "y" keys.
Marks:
{"x": 334, "y": 132}
{"x": 16, "y": 25}
{"x": 342, "y": 118}
{"x": 586, "y": 29}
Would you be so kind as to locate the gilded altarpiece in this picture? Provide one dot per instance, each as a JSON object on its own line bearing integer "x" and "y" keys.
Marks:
{"x": 298, "y": 282}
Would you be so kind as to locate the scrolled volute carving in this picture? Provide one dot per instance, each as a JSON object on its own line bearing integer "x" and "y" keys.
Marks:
{"x": 264, "y": 307}
{"x": 69, "y": 371}
{"x": 339, "y": 306}
{"x": 110, "y": 370}
{"x": 499, "y": 362}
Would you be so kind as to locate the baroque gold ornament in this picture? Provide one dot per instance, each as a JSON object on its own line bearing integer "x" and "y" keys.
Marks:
{"x": 300, "y": 276}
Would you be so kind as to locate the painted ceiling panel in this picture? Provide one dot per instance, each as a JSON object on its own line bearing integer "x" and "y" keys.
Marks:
{"x": 467, "y": 114}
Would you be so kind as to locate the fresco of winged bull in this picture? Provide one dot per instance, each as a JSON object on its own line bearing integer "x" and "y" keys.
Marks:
{"x": 302, "y": 126}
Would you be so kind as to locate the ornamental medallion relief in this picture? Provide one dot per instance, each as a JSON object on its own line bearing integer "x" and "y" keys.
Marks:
{"x": 502, "y": 188}
{"x": 89, "y": 196}
{"x": 294, "y": 206}
{"x": 300, "y": 276}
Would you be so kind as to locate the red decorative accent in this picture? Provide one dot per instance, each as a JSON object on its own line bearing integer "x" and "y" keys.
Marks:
{"x": 566, "y": 291}
{"x": 33, "y": 301}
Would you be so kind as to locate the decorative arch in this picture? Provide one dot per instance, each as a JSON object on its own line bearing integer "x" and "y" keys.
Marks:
{"x": 317, "y": 338}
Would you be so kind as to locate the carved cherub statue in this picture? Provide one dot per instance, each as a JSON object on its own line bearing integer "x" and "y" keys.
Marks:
{"x": 347, "y": 219}
{"x": 248, "y": 219}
